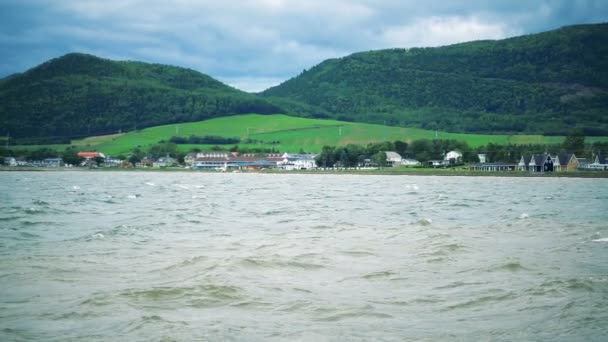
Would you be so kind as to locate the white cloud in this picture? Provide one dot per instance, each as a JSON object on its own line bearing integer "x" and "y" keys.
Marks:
{"x": 437, "y": 31}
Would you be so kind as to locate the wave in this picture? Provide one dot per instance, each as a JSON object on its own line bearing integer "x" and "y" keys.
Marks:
{"x": 172, "y": 297}
{"x": 186, "y": 263}
{"x": 336, "y": 315}
{"x": 359, "y": 254}
{"x": 379, "y": 275}
{"x": 511, "y": 266}
{"x": 258, "y": 263}
{"x": 481, "y": 301}
{"x": 424, "y": 222}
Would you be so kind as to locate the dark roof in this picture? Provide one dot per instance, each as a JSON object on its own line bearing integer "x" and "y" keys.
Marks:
{"x": 527, "y": 160}
{"x": 539, "y": 159}
{"x": 564, "y": 158}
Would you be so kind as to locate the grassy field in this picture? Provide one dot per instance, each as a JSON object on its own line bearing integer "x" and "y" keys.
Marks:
{"x": 287, "y": 133}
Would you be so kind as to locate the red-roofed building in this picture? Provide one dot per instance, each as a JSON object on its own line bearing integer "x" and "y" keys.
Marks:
{"x": 91, "y": 155}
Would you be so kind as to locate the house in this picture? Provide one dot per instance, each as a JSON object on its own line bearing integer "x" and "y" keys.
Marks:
{"x": 600, "y": 163}
{"x": 10, "y": 161}
{"x": 212, "y": 163}
{"x": 481, "y": 157}
{"x": 583, "y": 162}
{"x": 494, "y": 167}
{"x": 393, "y": 158}
{"x": 91, "y": 155}
{"x": 251, "y": 163}
{"x": 453, "y": 157}
{"x": 301, "y": 161}
{"x": 145, "y": 162}
{"x": 189, "y": 158}
{"x": 52, "y": 162}
{"x": 565, "y": 162}
{"x": 524, "y": 163}
{"x": 112, "y": 162}
{"x": 541, "y": 163}
{"x": 600, "y": 160}
{"x": 232, "y": 163}
{"x": 164, "y": 162}
{"x": 410, "y": 162}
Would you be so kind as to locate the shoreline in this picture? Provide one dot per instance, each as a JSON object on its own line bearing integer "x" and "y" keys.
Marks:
{"x": 377, "y": 172}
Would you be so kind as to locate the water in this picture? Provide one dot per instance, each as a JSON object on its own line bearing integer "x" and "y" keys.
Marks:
{"x": 254, "y": 257}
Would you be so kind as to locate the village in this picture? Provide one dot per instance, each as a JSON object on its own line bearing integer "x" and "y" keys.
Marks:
{"x": 234, "y": 161}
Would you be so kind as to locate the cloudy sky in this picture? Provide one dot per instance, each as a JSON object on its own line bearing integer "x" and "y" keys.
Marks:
{"x": 254, "y": 44}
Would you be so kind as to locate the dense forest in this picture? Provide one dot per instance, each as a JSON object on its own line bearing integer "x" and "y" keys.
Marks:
{"x": 80, "y": 95}
{"x": 550, "y": 83}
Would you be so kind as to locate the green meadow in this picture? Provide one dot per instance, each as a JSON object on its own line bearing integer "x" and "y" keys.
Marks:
{"x": 287, "y": 133}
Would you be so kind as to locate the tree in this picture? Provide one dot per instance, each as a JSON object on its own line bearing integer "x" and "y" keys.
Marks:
{"x": 400, "y": 147}
{"x": 161, "y": 150}
{"x": 98, "y": 160}
{"x": 379, "y": 159}
{"x": 70, "y": 156}
{"x": 575, "y": 143}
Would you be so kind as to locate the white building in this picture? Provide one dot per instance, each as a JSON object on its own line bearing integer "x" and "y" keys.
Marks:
{"x": 297, "y": 162}
{"x": 393, "y": 158}
{"x": 409, "y": 162}
{"x": 10, "y": 161}
{"x": 453, "y": 157}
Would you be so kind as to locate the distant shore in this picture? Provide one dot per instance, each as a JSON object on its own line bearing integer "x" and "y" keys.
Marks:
{"x": 384, "y": 172}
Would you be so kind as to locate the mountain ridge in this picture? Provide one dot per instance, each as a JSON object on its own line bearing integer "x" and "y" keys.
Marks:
{"x": 551, "y": 82}
{"x": 78, "y": 94}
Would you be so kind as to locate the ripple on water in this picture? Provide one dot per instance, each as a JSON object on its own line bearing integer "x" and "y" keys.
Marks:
{"x": 276, "y": 263}
{"x": 335, "y": 314}
{"x": 483, "y": 300}
{"x": 194, "y": 261}
{"x": 380, "y": 275}
{"x": 198, "y": 296}
{"x": 511, "y": 266}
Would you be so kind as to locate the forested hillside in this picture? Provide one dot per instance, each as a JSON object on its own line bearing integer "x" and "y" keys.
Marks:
{"x": 551, "y": 83}
{"x": 80, "y": 94}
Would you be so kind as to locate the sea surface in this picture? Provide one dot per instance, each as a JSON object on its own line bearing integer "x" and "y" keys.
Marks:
{"x": 146, "y": 256}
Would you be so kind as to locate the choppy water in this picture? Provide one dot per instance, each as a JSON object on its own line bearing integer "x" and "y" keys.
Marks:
{"x": 198, "y": 256}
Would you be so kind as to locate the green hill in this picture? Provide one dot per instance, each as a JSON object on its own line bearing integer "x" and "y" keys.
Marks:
{"x": 78, "y": 95}
{"x": 290, "y": 134}
{"x": 549, "y": 83}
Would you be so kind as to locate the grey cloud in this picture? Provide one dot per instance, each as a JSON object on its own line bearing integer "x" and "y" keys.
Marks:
{"x": 252, "y": 44}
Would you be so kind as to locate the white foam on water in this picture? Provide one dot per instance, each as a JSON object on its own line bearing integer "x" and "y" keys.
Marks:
{"x": 425, "y": 222}
{"x": 132, "y": 196}
{"x": 524, "y": 216}
{"x": 600, "y": 240}
{"x": 150, "y": 183}
{"x": 76, "y": 187}
{"x": 415, "y": 187}
{"x": 99, "y": 236}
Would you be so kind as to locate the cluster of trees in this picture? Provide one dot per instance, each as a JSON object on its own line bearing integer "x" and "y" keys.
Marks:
{"x": 353, "y": 155}
{"x": 544, "y": 83}
{"x": 69, "y": 155}
{"x": 206, "y": 139}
